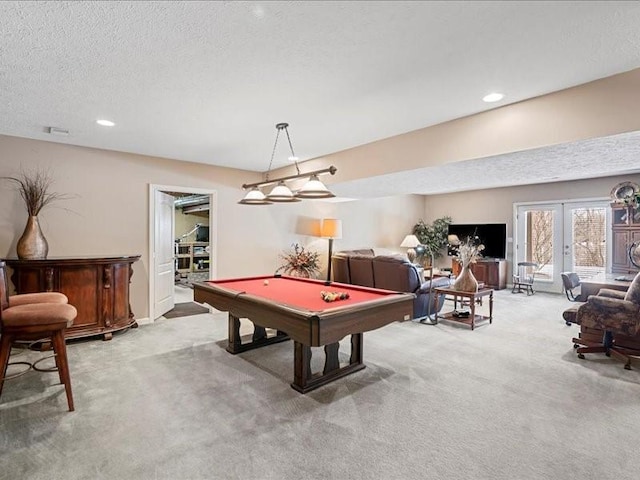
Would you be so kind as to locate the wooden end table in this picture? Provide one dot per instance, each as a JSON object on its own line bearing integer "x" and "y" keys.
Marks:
{"x": 472, "y": 298}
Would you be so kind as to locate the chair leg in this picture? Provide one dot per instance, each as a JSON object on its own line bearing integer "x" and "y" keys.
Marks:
{"x": 56, "y": 358}
{"x": 620, "y": 355}
{"x": 61, "y": 360}
{"x": 5, "y": 351}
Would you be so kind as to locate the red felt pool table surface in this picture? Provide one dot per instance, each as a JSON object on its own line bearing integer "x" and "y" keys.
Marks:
{"x": 299, "y": 292}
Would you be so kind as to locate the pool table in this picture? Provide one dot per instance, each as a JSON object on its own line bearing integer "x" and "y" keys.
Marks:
{"x": 295, "y": 309}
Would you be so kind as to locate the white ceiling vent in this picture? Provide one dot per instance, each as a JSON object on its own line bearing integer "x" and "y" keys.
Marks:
{"x": 61, "y": 132}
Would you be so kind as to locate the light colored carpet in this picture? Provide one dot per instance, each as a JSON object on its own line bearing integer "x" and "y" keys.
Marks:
{"x": 166, "y": 401}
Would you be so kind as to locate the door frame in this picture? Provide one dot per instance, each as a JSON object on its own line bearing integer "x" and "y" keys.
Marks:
{"x": 561, "y": 204}
{"x": 213, "y": 233}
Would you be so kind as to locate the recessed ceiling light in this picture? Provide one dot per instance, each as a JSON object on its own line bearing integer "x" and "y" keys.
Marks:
{"x": 493, "y": 97}
{"x": 105, "y": 123}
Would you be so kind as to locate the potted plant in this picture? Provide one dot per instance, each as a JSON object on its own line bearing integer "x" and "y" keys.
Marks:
{"x": 432, "y": 237}
{"x": 299, "y": 262}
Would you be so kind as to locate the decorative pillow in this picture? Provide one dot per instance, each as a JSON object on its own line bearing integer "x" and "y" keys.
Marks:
{"x": 633, "y": 294}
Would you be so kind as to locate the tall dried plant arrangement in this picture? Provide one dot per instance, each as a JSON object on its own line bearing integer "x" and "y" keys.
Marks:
{"x": 34, "y": 189}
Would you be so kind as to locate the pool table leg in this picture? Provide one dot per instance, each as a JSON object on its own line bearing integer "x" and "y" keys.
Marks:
{"x": 331, "y": 360}
{"x": 304, "y": 381}
{"x": 356, "y": 349}
{"x": 258, "y": 339}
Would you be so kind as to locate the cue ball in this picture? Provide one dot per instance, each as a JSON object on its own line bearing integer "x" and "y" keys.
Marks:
{"x": 266, "y": 282}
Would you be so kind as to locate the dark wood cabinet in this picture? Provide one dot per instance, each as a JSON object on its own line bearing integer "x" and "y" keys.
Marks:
{"x": 97, "y": 286}
{"x": 492, "y": 272}
{"x": 625, "y": 230}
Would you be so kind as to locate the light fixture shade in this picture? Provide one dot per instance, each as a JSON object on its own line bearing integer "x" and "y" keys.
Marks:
{"x": 281, "y": 193}
{"x": 314, "y": 188}
{"x": 254, "y": 197}
{"x": 331, "y": 228}
{"x": 453, "y": 240}
{"x": 410, "y": 241}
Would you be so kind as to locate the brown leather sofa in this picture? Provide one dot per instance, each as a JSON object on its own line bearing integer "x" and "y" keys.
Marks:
{"x": 389, "y": 272}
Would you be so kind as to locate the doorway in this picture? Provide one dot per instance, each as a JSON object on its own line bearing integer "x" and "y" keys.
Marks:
{"x": 563, "y": 236}
{"x": 182, "y": 243}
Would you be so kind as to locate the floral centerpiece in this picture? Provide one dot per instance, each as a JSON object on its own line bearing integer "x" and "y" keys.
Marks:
{"x": 299, "y": 262}
{"x": 468, "y": 252}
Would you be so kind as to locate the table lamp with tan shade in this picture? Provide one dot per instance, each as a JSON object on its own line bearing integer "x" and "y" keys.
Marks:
{"x": 330, "y": 228}
{"x": 410, "y": 242}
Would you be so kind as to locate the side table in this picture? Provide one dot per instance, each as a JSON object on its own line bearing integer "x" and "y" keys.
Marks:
{"x": 472, "y": 298}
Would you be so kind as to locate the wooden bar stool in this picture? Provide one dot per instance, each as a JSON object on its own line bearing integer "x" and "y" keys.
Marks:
{"x": 31, "y": 317}
{"x": 35, "y": 322}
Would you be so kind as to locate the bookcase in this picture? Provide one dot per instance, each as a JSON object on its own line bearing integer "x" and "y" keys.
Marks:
{"x": 192, "y": 257}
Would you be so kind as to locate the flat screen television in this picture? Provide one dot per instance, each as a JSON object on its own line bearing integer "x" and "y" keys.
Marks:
{"x": 492, "y": 235}
{"x": 202, "y": 234}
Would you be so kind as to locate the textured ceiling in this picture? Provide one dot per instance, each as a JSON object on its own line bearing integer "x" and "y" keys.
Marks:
{"x": 208, "y": 81}
{"x": 617, "y": 154}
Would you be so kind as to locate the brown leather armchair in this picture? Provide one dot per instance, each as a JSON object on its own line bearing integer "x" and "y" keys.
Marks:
{"x": 615, "y": 314}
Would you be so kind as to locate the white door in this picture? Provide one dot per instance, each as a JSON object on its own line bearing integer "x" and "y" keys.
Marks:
{"x": 539, "y": 240}
{"x": 562, "y": 237}
{"x": 163, "y": 254}
{"x": 585, "y": 238}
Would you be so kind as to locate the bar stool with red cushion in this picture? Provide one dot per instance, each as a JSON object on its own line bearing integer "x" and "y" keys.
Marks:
{"x": 41, "y": 297}
{"x": 23, "y": 321}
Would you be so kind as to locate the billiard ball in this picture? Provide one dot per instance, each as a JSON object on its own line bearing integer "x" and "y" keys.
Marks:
{"x": 266, "y": 282}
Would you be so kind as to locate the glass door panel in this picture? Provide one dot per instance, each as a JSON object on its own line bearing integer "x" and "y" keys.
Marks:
{"x": 585, "y": 242}
{"x": 539, "y": 227}
{"x": 562, "y": 237}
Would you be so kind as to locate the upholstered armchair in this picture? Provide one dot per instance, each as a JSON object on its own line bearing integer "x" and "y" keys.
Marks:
{"x": 617, "y": 315}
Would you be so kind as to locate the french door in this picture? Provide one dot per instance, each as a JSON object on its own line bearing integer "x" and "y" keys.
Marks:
{"x": 559, "y": 237}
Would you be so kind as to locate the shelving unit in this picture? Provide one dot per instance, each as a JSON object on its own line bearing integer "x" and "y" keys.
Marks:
{"x": 625, "y": 226}
{"x": 192, "y": 257}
